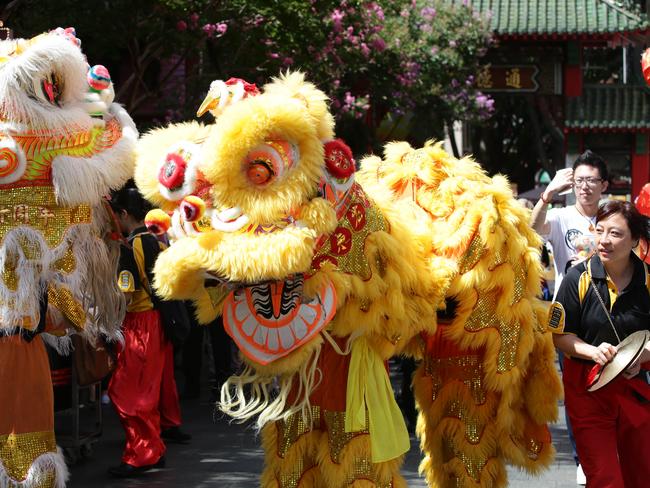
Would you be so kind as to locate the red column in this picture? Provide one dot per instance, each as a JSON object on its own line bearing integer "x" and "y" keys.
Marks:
{"x": 640, "y": 171}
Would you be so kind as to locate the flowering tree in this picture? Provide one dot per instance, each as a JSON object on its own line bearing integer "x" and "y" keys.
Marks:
{"x": 382, "y": 62}
{"x": 439, "y": 44}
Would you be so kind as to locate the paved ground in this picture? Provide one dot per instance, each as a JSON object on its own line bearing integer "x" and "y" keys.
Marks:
{"x": 228, "y": 456}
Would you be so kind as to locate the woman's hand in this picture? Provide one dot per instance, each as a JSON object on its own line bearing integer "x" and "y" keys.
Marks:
{"x": 602, "y": 354}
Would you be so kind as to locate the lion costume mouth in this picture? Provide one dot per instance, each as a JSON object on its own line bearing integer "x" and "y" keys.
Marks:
{"x": 270, "y": 320}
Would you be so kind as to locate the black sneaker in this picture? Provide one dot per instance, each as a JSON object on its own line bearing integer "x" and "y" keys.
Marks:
{"x": 175, "y": 435}
{"x": 125, "y": 470}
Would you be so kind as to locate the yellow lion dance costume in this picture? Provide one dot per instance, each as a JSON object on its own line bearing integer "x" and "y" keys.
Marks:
{"x": 322, "y": 277}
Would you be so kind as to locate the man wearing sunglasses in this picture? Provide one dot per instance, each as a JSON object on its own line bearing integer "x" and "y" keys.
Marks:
{"x": 571, "y": 230}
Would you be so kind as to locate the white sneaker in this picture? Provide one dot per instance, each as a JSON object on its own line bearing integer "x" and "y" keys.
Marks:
{"x": 581, "y": 479}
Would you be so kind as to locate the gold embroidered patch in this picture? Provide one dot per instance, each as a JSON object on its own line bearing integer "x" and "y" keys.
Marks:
{"x": 125, "y": 281}
{"x": 556, "y": 318}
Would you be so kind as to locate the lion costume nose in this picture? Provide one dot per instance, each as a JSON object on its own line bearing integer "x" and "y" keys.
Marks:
{"x": 172, "y": 172}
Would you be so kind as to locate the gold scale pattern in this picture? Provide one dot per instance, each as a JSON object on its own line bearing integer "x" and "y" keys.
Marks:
{"x": 467, "y": 369}
{"x": 338, "y": 437}
{"x": 298, "y": 470}
{"x": 472, "y": 255}
{"x": 473, "y": 427}
{"x": 346, "y": 246}
{"x": 473, "y": 465}
{"x": 290, "y": 430}
{"x": 19, "y": 451}
{"x": 483, "y": 316}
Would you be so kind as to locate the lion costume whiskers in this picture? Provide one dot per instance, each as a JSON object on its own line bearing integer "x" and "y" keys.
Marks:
{"x": 321, "y": 278}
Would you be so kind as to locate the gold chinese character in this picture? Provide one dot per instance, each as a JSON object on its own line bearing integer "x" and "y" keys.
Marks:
{"x": 513, "y": 78}
{"x": 45, "y": 214}
{"x": 4, "y": 212}
{"x": 484, "y": 78}
{"x": 21, "y": 214}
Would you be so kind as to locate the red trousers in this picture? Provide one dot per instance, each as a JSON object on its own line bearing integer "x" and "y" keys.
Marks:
{"x": 143, "y": 388}
{"x": 611, "y": 427}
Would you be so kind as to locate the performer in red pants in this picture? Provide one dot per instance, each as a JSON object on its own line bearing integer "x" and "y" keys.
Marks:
{"x": 142, "y": 388}
{"x": 600, "y": 302}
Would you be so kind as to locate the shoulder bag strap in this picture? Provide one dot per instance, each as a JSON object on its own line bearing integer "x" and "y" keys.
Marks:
{"x": 602, "y": 304}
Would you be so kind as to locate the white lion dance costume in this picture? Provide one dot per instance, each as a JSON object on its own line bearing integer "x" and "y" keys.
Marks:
{"x": 63, "y": 145}
{"x": 322, "y": 277}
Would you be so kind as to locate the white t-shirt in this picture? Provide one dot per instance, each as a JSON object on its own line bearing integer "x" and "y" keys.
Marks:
{"x": 570, "y": 233}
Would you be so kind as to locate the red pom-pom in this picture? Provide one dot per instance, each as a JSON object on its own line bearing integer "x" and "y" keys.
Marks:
{"x": 338, "y": 159}
{"x": 172, "y": 173}
{"x": 645, "y": 65}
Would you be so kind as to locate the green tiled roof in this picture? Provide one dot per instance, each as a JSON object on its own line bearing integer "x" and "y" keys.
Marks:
{"x": 609, "y": 107}
{"x": 565, "y": 18}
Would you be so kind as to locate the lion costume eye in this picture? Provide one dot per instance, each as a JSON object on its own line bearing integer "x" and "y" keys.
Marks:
{"x": 270, "y": 161}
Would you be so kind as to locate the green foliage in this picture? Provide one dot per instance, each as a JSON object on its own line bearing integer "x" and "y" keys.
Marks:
{"x": 381, "y": 62}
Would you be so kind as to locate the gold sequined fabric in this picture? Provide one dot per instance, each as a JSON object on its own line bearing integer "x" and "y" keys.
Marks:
{"x": 290, "y": 430}
{"x": 36, "y": 207}
{"x": 485, "y": 315}
{"x": 297, "y": 471}
{"x": 472, "y": 255}
{"x": 363, "y": 469}
{"x": 67, "y": 263}
{"x": 338, "y": 437}
{"x": 64, "y": 301}
{"x": 473, "y": 464}
{"x": 467, "y": 369}
{"x": 345, "y": 247}
{"x": 19, "y": 451}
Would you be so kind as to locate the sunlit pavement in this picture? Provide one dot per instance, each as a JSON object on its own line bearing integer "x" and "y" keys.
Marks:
{"x": 229, "y": 456}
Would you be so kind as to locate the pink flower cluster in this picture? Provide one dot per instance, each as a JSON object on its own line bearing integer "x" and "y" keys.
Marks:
{"x": 210, "y": 30}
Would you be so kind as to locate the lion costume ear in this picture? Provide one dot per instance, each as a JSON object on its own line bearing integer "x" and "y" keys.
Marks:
{"x": 293, "y": 85}
{"x": 338, "y": 159}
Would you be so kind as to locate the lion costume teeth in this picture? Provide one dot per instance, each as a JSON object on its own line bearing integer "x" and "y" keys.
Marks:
{"x": 323, "y": 277}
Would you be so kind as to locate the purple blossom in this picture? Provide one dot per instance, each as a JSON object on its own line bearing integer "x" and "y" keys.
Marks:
{"x": 208, "y": 29}
{"x": 221, "y": 28}
{"x": 428, "y": 13}
{"x": 365, "y": 50}
{"x": 181, "y": 25}
{"x": 337, "y": 20}
{"x": 434, "y": 50}
{"x": 378, "y": 44}
{"x": 288, "y": 61}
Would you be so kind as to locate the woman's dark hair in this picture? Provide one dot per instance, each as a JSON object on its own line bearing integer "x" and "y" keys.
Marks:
{"x": 129, "y": 199}
{"x": 590, "y": 158}
{"x": 636, "y": 222}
